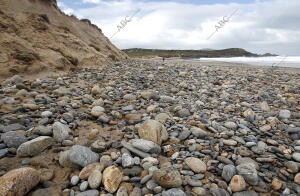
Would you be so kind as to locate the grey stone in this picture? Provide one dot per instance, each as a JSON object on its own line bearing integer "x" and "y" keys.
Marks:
{"x": 230, "y": 142}
{"x": 95, "y": 179}
{"x": 46, "y": 114}
{"x": 231, "y": 125}
{"x": 250, "y": 144}
{"x": 228, "y": 172}
{"x": 135, "y": 150}
{"x": 151, "y": 185}
{"x": 103, "y": 119}
{"x": 127, "y": 160}
{"x": 238, "y": 139}
{"x": 122, "y": 191}
{"x": 167, "y": 177}
{"x": 152, "y": 169}
{"x": 199, "y": 133}
{"x": 147, "y": 165}
{"x": 64, "y": 160}
{"x": 11, "y": 127}
{"x": 35, "y": 146}
{"x": 74, "y": 180}
{"x": 158, "y": 189}
{"x": 3, "y": 152}
{"x": 89, "y": 193}
{"x": 146, "y": 178}
{"x": 173, "y": 192}
{"x": 296, "y": 156}
{"x": 225, "y": 160}
{"x": 291, "y": 130}
{"x": 248, "y": 171}
{"x": 184, "y": 134}
{"x": 218, "y": 192}
{"x": 162, "y": 117}
{"x": 128, "y": 108}
{"x": 167, "y": 99}
{"x": 97, "y": 111}
{"x": 136, "y": 192}
{"x": 251, "y": 138}
{"x": 105, "y": 161}
{"x": 129, "y": 97}
{"x": 136, "y": 160}
{"x": 134, "y": 171}
{"x": 243, "y": 151}
{"x": 284, "y": 114}
{"x": 9, "y": 100}
{"x": 84, "y": 185}
{"x": 2, "y": 146}
{"x": 199, "y": 191}
{"x": 198, "y": 176}
{"x": 293, "y": 166}
{"x": 247, "y": 160}
{"x": 60, "y": 131}
{"x": 98, "y": 146}
{"x": 42, "y": 130}
{"x": 83, "y": 156}
{"x": 258, "y": 150}
{"x": 194, "y": 183}
{"x": 147, "y": 146}
{"x": 62, "y": 91}
{"x": 13, "y": 139}
{"x": 246, "y": 193}
{"x": 183, "y": 113}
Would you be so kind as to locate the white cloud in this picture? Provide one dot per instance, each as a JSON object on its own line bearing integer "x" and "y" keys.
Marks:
{"x": 260, "y": 27}
{"x": 69, "y": 11}
{"x": 91, "y": 1}
{"x": 65, "y": 8}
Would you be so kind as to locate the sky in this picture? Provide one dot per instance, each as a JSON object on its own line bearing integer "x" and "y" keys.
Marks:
{"x": 258, "y": 26}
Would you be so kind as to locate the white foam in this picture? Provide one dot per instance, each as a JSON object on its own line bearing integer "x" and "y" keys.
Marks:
{"x": 280, "y": 61}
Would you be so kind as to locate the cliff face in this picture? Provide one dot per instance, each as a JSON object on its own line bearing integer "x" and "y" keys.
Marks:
{"x": 35, "y": 37}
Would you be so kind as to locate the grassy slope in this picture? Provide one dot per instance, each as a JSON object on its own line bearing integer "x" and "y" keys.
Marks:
{"x": 231, "y": 52}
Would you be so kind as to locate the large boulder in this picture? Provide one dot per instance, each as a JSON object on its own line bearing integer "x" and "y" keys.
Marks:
{"x": 197, "y": 132}
{"x": 18, "y": 182}
{"x": 13, "y": 139}
{"x": 111, "y": 179}
{"x": 167, "y": 176}
{"x": 248, "y": 171}
{"x": 146, "y": 146}
{"x": 87, "y": 170}
{"x": 64, "y": 160}
{"x": 97, "y": 111}
{"x": 154, "y": 131}
{"x": 82, "y": 156}
{"x": 35, "y": 146}
{"x": 60, "y": 131}
{"x": 196, "y": 164}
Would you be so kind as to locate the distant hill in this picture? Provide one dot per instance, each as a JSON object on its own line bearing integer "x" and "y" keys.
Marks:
{"x": 230, "y": 52}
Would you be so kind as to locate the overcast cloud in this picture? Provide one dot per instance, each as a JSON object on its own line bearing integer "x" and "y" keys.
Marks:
{"x": 257, "y": 26}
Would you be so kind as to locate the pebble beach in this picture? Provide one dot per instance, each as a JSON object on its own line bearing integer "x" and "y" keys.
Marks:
{"x": 147, "y": 127}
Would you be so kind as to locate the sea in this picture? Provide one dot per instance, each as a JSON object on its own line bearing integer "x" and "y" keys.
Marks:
{"x": 279, "y": 61}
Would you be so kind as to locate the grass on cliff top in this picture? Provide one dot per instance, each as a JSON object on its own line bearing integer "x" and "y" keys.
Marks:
{"x": 231, "y": 52}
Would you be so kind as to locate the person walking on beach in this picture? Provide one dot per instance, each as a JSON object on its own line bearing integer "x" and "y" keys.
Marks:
{"x": 163, "y": 59}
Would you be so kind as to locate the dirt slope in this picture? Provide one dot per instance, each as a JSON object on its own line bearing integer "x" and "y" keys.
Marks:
{"x": 36, "y": 37}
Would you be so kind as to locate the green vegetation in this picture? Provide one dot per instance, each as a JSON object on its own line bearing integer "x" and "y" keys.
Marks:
{"x": 231, "y": 52}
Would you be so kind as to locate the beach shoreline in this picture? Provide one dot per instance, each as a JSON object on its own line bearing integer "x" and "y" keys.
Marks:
{"x": 222, "y": 64}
